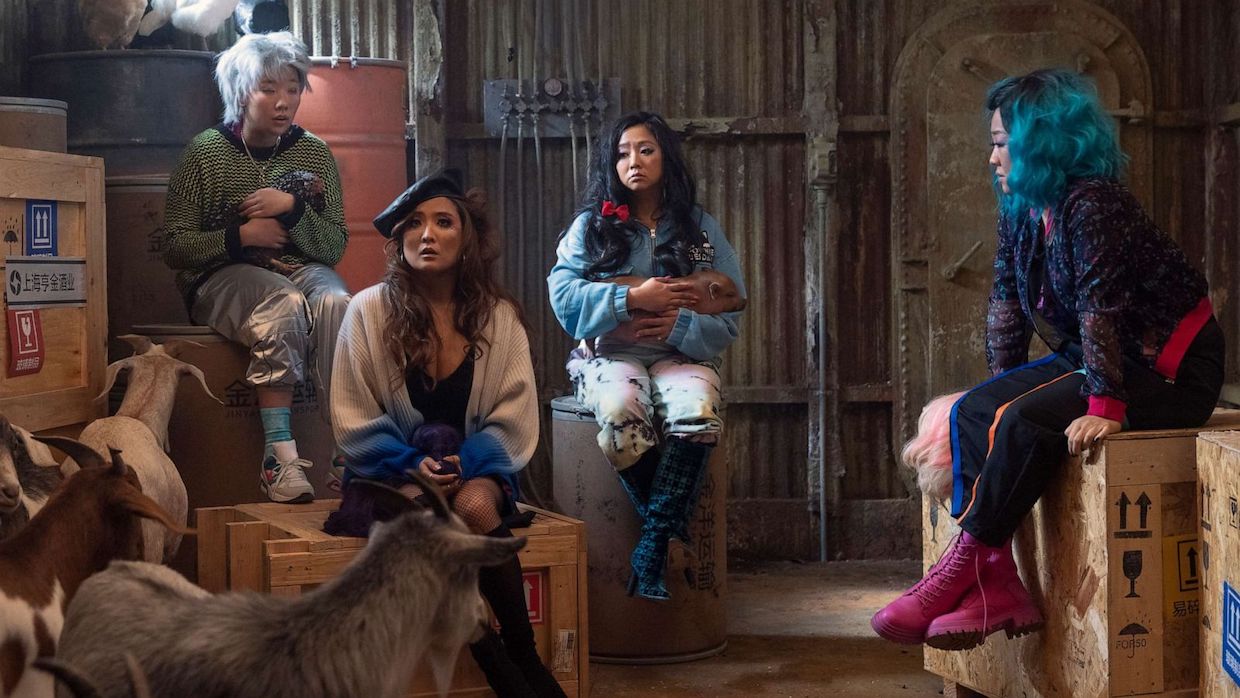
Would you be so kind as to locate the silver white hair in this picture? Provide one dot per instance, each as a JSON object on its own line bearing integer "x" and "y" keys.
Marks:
{"x": 256, "y": 57}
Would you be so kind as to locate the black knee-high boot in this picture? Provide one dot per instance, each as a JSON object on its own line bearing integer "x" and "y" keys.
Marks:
{"x": 503, "y": 676}
{"x": 672, "y": 498}
{"x": 504, "y": 588}
{"x": 638, "y": 478}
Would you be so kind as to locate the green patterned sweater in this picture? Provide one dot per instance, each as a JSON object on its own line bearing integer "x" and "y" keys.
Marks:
{"x": 201, "y": 226}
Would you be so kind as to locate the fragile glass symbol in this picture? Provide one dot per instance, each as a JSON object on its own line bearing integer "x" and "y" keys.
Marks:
{"x": 1132, "y": 570}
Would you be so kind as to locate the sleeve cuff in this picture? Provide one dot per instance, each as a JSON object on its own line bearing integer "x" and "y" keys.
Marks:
{"x": 232, "y": 242}
{"x": 620, "y": 303}
{"x": 293, "y": 217}
{"x": 684, "y": 318}
{"x": 1107, "y": 407}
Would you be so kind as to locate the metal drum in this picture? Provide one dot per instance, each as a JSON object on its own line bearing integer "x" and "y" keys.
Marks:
{"x": 625, "y": 630}
{"x": 141, "y": 288}
{"x": 357, "y": 106}
{"x": 35, "y": 124}
{"x": 135, "y": 109}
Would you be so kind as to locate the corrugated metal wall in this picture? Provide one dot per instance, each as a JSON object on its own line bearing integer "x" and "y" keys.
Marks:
{"x": 12, "y": 46}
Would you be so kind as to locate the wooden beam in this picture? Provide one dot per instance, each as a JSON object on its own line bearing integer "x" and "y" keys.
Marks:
{"x": 865, "y": 123}
{"x": 689, "y": 128}
{"x": 869, "y": 392}
{"x": 1228, "y": 114}
{"x": 427, "y": 70}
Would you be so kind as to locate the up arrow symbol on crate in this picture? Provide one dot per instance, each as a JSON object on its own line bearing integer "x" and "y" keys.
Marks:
{"x": 1144, "y": 502}
{"x": 1123, "y": 509}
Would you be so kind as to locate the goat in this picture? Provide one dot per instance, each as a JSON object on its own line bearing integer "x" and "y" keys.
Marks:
{"x": 140, "y": 429}
{"x": 28, "y": 475}
{"x": 412, "y": 591}
{"x": 88, "y": 522}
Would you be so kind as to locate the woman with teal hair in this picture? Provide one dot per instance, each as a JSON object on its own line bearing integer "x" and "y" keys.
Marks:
{"x": 1133, "y": 339}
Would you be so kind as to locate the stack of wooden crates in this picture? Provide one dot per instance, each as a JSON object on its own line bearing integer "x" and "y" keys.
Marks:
{"x": 281, "y": 549}
{"x": 1110, "y": 553}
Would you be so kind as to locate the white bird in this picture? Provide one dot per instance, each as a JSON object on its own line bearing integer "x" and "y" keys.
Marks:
{"x": 201, "y": 17}
{"x": 111, "y": 23}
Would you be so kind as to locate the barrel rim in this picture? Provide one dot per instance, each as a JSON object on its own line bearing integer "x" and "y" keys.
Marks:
{"x": 173, "y": 330}
{"x": 114, "y": 55}
{"x": 357, "y": 60}
{"x": 137, "y": 180}
{"x": 36, "y": 103}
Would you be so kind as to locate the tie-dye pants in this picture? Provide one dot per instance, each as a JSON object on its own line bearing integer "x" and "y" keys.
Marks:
{"x": 630, "y": 394}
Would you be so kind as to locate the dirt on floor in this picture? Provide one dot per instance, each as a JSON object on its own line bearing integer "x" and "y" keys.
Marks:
{"x": 794, "y": 630}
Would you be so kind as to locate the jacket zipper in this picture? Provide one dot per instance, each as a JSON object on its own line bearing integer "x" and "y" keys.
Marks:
{"x": 652, "y": 238}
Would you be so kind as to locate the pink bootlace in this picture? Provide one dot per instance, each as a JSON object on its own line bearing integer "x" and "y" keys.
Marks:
{"x": 940, "y": 574}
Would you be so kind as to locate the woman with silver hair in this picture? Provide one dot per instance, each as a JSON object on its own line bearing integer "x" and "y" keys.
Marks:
{"x": 254, "y": 225}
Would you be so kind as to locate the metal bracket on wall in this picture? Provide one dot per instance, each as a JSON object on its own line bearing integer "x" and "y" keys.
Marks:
{"x": 559, "y": 107}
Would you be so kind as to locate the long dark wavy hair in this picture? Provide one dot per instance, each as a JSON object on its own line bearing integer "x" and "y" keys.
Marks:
{"x": 411, "y": 338}
{"x": 608, "y": 241}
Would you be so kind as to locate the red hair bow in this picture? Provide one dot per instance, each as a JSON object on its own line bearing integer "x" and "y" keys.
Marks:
{"x": 621, "y": 211}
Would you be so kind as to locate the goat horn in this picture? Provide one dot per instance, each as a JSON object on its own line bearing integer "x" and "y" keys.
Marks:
{"x": 85, "y": 456}
{"x": 137, "y": 677}
{"x": 141, "y": 344}
{"x": 118, "y": 464}
{"x": 78, "y": 685}
{"x": 196, "y": 372}
{"x": 114, "y": 370}
{"x": 174, "y": 347}
{"x": 439, "y": 505}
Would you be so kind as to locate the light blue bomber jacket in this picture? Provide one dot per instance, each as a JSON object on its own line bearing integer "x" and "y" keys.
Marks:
{"x": 588, "y": 309}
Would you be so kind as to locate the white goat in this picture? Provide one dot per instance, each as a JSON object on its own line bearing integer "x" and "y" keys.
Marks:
{"x": 28, "y": 475}
{"x": 412, "y": 591}
{"x": 140, "y": 429}
{"x": 88, "y": 522}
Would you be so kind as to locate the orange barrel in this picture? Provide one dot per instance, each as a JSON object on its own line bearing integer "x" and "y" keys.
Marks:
{"x": 135, "y": 109}
{"x": 36, "y": 124}
{"x": 625, "y": 630}
{"x": 141, "y": 288}
{"x": 358, "y": 107}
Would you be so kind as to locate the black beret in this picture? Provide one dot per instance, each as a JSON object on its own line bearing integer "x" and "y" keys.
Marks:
{"x": 443, "y": 183}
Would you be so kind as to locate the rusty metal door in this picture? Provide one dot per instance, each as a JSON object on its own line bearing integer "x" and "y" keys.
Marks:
{"x": 962, "y": 205}
{"x": 943, "y": 205}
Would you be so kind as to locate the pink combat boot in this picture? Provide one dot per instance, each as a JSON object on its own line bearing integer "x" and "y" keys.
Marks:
{"x": 998, "y": 602}
{"x": 906, "y": 619}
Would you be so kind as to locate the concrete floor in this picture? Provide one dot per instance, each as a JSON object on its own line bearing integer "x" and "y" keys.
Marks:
{"x": 794, "y": 630}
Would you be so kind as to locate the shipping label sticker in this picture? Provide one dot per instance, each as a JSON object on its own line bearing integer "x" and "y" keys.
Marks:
{"x": 41, "y": 228}
{"x": 26, "y": 350}
{"x": 1182, "y": 568}
{"x": 43, "y": 282}
{"x": 1231, "y": 632}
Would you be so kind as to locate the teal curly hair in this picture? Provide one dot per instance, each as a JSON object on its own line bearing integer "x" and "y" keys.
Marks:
{"x": 1058, "y": 131}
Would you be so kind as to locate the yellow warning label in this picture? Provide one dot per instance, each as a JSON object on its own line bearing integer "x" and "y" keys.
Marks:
{"x": 1182, "y": 576}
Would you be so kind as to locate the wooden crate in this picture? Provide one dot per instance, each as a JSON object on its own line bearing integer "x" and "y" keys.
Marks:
{"x": 282, "y": 549}
{"x": 1218, "y": 500}
{"x": 64, "y": 390}
{"x": 1106, "y": 635}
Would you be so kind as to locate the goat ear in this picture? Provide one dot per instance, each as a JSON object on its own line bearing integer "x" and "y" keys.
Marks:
{"x": 439, "y": 505}
{"x": 143, "y": 506}
{"x": 39, "y": 454}
{"x": 185, "y": 369}
{"x": 712, "y": 289}
{"x": 141, "y": 344}
{"x": 174, "y": 347}
{"x": 484, "y": 551}
{"x": 78, "y": 685}
{"x": 85, "y": 456}
{"x": 114, "y": 370}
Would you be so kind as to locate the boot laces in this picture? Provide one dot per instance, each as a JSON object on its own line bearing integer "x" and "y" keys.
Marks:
{"x": 935, "y": 583}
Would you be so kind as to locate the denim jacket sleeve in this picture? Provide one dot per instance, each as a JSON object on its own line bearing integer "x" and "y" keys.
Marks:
{"x": 704, "y": 337}
{"x": 584, "y": 308}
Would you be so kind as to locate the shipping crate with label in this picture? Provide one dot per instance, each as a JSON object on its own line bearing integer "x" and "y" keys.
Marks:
{"x": 1110, "y": 555}
{"x": 55, "y": 296}
{"x": 282, "y": 549}
{"x": 1218, "y": 500}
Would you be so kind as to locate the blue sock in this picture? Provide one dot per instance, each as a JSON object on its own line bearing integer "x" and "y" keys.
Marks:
{"x": 276, "y": 426}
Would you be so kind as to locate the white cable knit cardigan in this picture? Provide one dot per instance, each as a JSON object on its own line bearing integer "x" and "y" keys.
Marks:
{"x": 372, "y": 416}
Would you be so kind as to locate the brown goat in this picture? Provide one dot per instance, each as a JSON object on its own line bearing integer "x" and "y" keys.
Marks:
{"x": 90, "y": 521}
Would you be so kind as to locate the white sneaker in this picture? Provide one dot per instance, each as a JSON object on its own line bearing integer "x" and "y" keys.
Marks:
{"x": 286, "y": 482}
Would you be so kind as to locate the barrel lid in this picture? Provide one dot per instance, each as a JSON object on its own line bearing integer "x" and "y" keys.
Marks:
{"x": 354, "y": 61}
{"x": 8, "y": 103}
{"x": 567, "y": 408}
{"x": 170, "y": 330}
